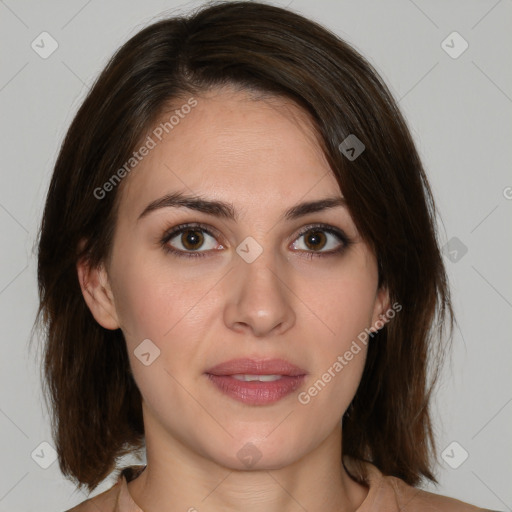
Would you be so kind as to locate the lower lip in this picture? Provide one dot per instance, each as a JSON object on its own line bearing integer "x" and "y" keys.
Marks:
{"x": 256, "y": 392}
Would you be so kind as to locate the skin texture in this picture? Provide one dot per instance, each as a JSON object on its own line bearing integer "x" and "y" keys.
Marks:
{"x": 261, "y": 156}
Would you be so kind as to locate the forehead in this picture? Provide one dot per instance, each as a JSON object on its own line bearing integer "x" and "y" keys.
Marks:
{"x": 233, "y": 147}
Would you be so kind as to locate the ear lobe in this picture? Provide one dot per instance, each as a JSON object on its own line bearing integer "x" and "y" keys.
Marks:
{"x": 97, "y": 294}
{"x": 379, "y": 317}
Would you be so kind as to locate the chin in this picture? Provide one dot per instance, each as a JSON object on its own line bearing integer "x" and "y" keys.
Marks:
{"x": 254, "y": 452}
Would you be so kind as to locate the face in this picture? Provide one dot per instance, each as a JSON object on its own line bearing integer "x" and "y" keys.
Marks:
{"x": 205, "y": 288}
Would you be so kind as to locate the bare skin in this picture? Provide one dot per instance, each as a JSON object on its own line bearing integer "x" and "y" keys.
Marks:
{"x": 262, "y": 157}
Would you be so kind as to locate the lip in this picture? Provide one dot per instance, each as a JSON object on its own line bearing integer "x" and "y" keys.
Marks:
{"x": 257, "y": 367}
{"x": 256, "y": 392}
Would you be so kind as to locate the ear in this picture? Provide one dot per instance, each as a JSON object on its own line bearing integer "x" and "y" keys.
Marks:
{"x": 98, "y": 294}
{"x": 379, "y": 317}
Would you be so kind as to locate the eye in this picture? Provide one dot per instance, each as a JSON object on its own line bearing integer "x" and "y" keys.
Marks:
{"x": 322, "y": 239}
{"x": 197, "y": 240}
{"x": 186, "y": 240}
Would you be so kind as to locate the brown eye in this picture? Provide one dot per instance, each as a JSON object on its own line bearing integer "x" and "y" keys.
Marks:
{"x": 192, "y": 239}
{"x": 318, "y": 238}
{"x": 315, "y": 240}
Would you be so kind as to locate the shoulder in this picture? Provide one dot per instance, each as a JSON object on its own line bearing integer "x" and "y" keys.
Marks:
{"x": 412, "y": 498}
{"x": 106, "y": 501}
{"x": 114, "y": 499}
{"x": 393, "y": 494}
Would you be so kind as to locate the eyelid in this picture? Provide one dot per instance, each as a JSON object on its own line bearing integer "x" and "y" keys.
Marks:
{"x": 170, "y": 233}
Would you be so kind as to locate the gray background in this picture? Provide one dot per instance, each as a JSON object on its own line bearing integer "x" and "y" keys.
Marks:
{"x": 459, "y": 110}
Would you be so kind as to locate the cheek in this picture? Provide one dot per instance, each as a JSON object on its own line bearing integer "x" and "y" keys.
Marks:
{"x": 339, "y": 357}
{"x": 172, "y": 309}
{"x": 345, "y": 309}
{"x": 152, "y": 299}
{"x": 343, "y": 304}
{"x": 152, "y": 307}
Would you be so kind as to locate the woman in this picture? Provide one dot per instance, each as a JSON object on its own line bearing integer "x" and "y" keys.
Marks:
{"x": 239, "y": 273}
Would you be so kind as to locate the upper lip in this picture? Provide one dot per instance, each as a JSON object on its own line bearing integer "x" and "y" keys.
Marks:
{"x": 256, "y": 367}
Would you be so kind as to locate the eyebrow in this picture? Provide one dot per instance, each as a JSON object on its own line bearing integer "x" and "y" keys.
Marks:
{"x": 225, "y": 210}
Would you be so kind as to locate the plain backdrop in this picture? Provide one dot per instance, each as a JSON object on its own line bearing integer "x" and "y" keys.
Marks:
{"x": 458, "y": 104}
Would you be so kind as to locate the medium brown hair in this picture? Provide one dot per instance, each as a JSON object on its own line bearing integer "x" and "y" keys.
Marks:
{"x": 95, "y": 404}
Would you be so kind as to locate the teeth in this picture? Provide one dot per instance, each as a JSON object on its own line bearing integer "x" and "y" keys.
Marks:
{"x": 262, "y": 378}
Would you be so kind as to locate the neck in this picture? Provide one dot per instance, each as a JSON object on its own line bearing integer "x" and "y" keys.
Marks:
{"x": 179, "y": 479}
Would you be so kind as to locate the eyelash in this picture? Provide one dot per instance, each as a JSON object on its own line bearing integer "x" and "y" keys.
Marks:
{"x": 170, "y": 234}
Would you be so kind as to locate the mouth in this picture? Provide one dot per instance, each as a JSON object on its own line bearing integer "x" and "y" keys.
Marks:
{"x": 256, "y": 382}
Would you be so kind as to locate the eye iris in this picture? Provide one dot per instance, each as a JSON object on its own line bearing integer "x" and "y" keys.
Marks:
{"x": 192, "y": 239}
{"x": 313, "y": 238}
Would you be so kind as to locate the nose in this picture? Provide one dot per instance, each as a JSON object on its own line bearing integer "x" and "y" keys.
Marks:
{"x": 259, "y": 298}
